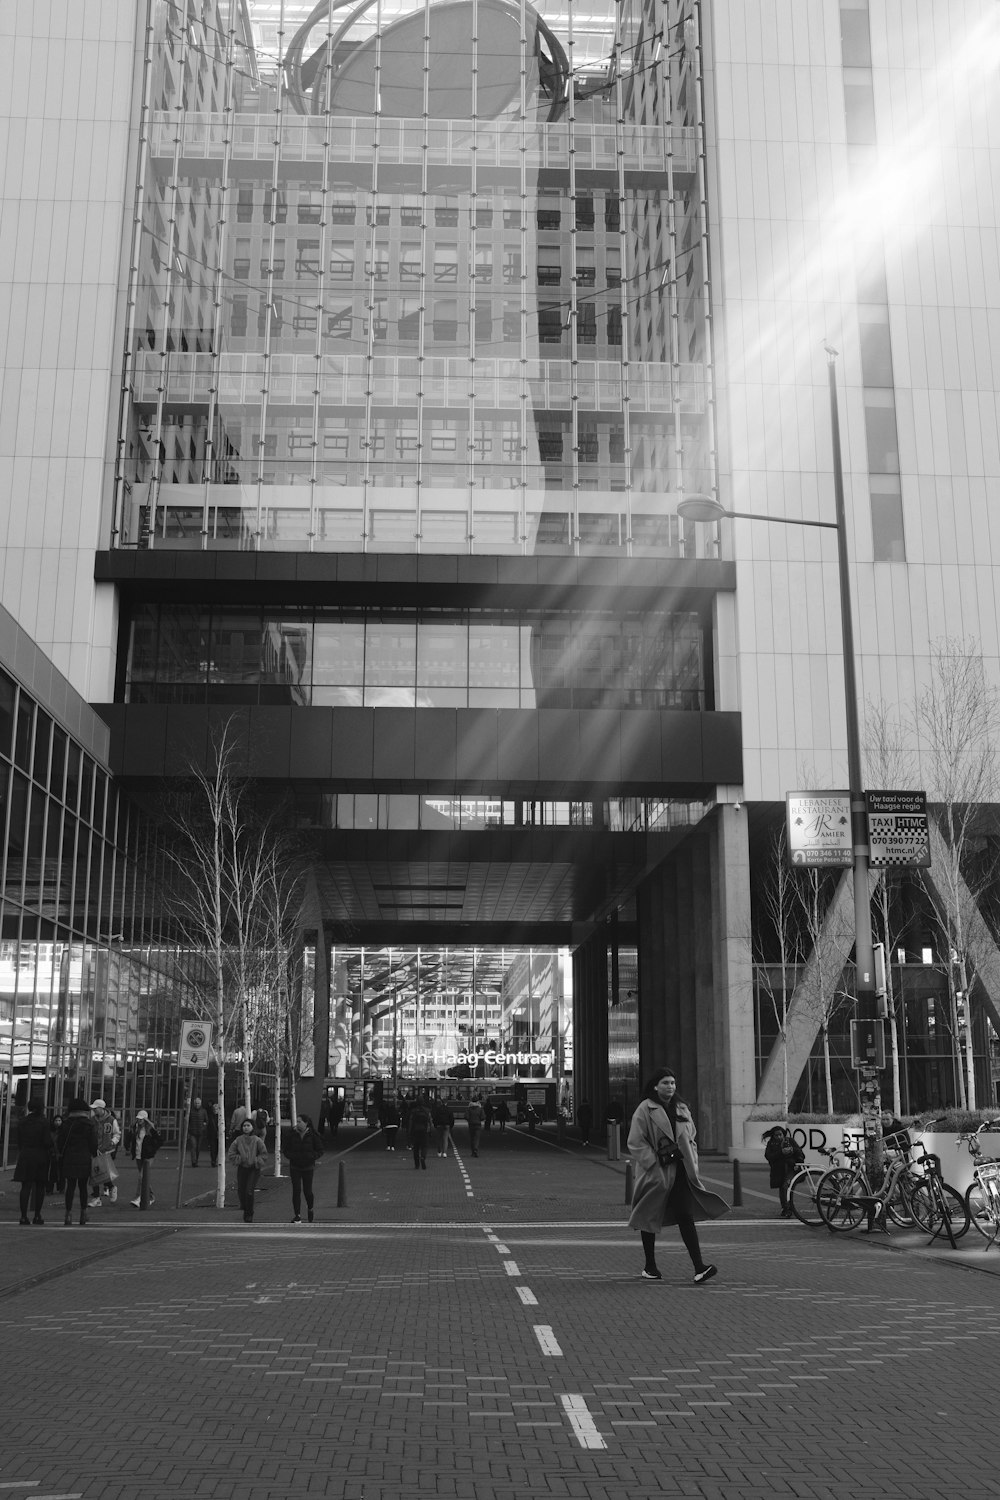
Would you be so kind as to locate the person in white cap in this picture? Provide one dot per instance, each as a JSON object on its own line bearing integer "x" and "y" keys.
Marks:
{"x": 109, "y": 1133}
{"x": 145, "y": 1144}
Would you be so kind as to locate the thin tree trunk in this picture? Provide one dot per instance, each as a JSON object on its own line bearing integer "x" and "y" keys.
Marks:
{"x": 827, "y": 1069}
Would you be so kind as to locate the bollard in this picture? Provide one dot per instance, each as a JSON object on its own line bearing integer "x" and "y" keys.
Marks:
{"x": 737, "y": 1185}
{"x": 628, "y": 1183}
{"x": 341, "y": 1187}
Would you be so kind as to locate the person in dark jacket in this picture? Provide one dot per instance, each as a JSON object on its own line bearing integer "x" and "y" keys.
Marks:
{"x": 585, "y": 1120}
{"x": 77, "y": 1147}
{"x": 197, "y": 1129}
{"x": 419, "y": 1125}
{"x": 34, "y": 1152}
{"x": 388, "y": 1118}
{"x": 501, "y": 1113}
{"x": 444, "y": 1118}
{"x": 303, "y": 1147}
{"x": 784, "y": 1158}
{"x": 212, "y": 1133}
{"x": 57, "y": 1177}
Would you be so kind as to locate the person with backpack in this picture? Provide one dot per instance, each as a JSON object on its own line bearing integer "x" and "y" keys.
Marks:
{"x": 475, "y": 1118}
{"x": 145, "y": 1143}
{"x": 444, "y": 1118}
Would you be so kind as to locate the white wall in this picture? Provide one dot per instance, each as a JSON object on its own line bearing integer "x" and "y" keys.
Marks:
{"x": 66, "y": 73}
{"x": 787, "y": 227}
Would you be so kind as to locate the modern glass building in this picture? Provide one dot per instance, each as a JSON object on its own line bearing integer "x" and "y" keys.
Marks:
{"x": 358, "y": 358}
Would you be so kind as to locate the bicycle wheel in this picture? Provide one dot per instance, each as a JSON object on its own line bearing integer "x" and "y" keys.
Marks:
{"x": 984, "y": 1215}
{"x": 930, "y": 1210}
{"x": 802, "y": 1196}
{"x": 898, "y": 1206}
{"x": 837, "y": 1198}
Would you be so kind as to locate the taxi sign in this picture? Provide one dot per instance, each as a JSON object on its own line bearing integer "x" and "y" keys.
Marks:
{"x": 898, "y": 834}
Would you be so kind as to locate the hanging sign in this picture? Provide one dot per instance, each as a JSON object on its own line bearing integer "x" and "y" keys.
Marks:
{"x": 818, "y": 826}
{"x": 898, "y": 834}
{"x": 196, "y": 1044}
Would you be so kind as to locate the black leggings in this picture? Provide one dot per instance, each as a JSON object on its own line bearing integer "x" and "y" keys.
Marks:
{"x": 681, "y": 1203}
{"x": 37, "y": 1186}
{"x": 302, "y": 1187}
{"x": 72, "y": 1184}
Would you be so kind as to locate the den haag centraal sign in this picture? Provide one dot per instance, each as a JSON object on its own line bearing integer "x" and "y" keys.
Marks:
{"x": 819, "y": 829}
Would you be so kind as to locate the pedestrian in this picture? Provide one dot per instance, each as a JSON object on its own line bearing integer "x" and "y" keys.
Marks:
{"x": 77, "y": 1147}
{"x": 475, "y": 1118}
{"x": 501, "y": 1113}
{"x": 212, "y": 1133}
{"x": 388, "y": 1118}
{"x": 34, "y": 1152}
{"x": 784, "y": 1158}
{"x": 585, "y": 1120}
{"x": 197, "y": 1129}
{"x": 303, "y": 1147}
{"x": 145, "y": 1142}
{"x": 240, "y": 1113}
{"x": 444, "y": 1118}
{"x": 249, "y": 1154}
{"x": 57, "y": 1177}
{"x": 419, "y": 1124}
{"x": 668, "y": 1188}
{"x": 488, "y": 1113}
{"x": 104, "y": 1176}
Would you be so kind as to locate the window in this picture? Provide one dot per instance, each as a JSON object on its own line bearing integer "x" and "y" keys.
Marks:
{"x": 310, "y": 206}
{"x": 377, "y": 214}
{"x": 343, "y": 209}
{"x": 446, "y": 213}
{"x": 406, "y": 439}
{"x": 588, "y": 445}
{"x": 484, "y": 215}
{"x": 585, "y": 268}
{"x": 614, "y": 325}
{"x": 409, "y": 263}
{"x": 241, "y": 260}
{"x": 300, "y": 444}
{"x": 585, "y": 211}
{"x": 876, "y": 354}
{"x": 445, "y": 321}
{"x": 511, "y": 321}
{"x": 336, "y": 444}
{"x": 880, "y": 430}
{"x": 238, "y": 318}
{"x": 484, "y": 263}
{"x": 444, "y": 436}
{"x": 244, "y": 205}
{"x": 612, "y": 214}
{"x": 278, "y": 263}
{"x": 305, "y": 322}
{"x": 268, "y": 445}
{"x": 550, "y": 447}
{"x": 446, "y": 264}
{"x": 511, "y": 267}
{"x": 888, "y": 541}
{"x": 380, "y": 318}
{"x": 339, "y": 324}
{"x": 307, "y": 259}
{"x": 275, "y": 206}
{"x": 409, "y": 319}
{"x": 547, "y": 214}
{"x": 550, "y": 324}
{"x": 511, "y": 217}
{"x": 342, "y": 260}
{"x": 616, "y": 445}
{"x": 378, "y": 266}
{"x": 549, "y": 265}
{"x": 484, "y": 321}
{"x": 586, "y": 323}
{"x": 410, "y": 211}
{"x": 613, "y": 265}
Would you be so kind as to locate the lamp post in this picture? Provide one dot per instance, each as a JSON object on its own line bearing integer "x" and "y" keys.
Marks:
{"x": 707, "y": 508}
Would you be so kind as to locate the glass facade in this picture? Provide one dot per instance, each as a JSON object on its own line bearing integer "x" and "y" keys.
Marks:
{"x": 427, "y": 275}
{"x": 417, "y": 658}
{"x": 90, "y": 993}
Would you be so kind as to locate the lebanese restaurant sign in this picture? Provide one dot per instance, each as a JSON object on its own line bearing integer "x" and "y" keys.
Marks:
{"x": 819, "y": 829}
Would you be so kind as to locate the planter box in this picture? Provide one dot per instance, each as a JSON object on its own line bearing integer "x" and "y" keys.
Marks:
{"x": 956, "y": 1163}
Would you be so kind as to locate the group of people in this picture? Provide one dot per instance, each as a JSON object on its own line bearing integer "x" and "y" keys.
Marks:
{"x": 76, "y": 1155}
{"x": 248, "y": 1152}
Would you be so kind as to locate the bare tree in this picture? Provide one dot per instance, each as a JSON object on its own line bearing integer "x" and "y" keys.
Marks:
{"x": 232, "y": 901}
{"x": 957, "y": 720}
{"x": 829, "y": 935}
{"x": 778, "y": 905}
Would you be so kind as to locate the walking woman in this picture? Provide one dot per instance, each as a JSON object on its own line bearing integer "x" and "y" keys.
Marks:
{"x": 77, "y": 1147}
{"x": 34, "y": 1152}
{"x": 668, "y": 1189}
{"x": 249, "y": 1153}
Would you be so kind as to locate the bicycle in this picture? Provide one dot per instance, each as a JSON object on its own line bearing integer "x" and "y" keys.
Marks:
{"x": 982, "y": 1198}
{"x": 844, "y": 1195}
{"x": 935, "y": 1204}
{"x": 801, "y": 1191}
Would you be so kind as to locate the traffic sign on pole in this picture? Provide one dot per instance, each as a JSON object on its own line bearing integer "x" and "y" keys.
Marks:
{"x": 196, "y": 1044}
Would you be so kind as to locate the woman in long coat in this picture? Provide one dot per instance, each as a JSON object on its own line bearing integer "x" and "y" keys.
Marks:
{"x": 668, "y": 1188}
{"x": 34, "y": 1154}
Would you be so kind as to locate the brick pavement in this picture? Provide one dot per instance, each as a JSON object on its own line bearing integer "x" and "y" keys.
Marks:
{"x": 420, "y": 1340}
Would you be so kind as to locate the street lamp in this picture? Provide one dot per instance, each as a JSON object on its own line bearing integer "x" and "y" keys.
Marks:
{"x": 699, "y": 507}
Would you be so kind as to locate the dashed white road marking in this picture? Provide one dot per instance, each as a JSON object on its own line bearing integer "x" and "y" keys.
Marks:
{"x": 584, "y": 1427}
{"x": 501, "y": 1249}
{"x": 549, "y": 1344}
{"x": 510, "y": 1266}
{"x": 527, "y": 1296}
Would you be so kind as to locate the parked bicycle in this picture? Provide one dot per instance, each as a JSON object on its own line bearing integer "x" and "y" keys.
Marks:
{"x": 801, "y": 1190}
{"x": 937, "y": 1207}
{"x": 982, "y": 1198}
{"x": 844, "y": 1195}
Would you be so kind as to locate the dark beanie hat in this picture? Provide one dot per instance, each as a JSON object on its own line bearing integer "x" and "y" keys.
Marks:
{"x": 78, "y": 1104}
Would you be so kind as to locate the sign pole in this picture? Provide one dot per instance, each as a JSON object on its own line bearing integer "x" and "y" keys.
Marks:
{"x": 185, "y": 1126}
